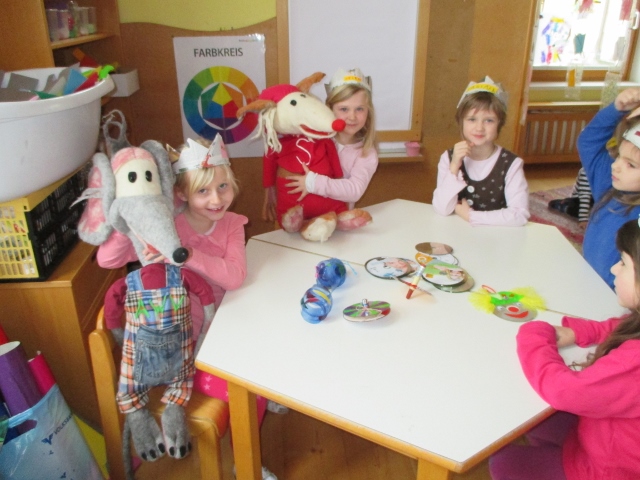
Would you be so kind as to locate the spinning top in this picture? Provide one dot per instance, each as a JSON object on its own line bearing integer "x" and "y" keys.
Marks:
{"x": 316, "y": 304}
{"x": 366, "y": 311}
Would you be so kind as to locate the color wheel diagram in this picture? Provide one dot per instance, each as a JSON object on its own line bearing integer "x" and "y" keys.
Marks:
{"x": 211, "y": 100}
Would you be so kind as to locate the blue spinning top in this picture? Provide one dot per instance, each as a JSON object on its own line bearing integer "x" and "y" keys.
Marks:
{"x": 316, "y": 304}
{"x": 330, "y": 273}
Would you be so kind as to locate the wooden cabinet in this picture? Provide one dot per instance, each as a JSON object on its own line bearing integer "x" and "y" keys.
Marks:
{"x": 56, "y": 317}
{"x": 24, "y": 42}
{"x": 24, "y": 36}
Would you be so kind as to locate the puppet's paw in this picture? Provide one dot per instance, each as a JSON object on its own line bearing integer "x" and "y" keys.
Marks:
{"x": 176, "y": 433}
{"x": 292, "y": 219}
{"x": 320, "y": 228}
{"x": 352, "y": 219}
{"x": 147, "y": 437}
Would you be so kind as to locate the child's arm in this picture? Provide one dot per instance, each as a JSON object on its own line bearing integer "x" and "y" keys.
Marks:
{"x": 589, "y": 332}
{"x": 221, "y": 257}
{"x": 448, "y": 185}
{"x": 583, "y": 192}
{"x": 599, "y": 390}
{"x": 592, "y": 148}
{"x": 516, "y": 192}
{"x": 116, "y": 252}
{"x": 358, "y": 172}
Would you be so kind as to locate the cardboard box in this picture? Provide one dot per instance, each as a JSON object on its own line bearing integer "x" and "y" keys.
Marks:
{"x": 126, "y": 82}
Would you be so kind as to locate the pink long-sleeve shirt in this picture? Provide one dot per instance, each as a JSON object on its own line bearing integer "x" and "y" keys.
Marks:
{"x": 516, "y": 191}
{"x": 605, "y": 396}
{"x": 219, "y": 256}
{"x": 357, "y": 169}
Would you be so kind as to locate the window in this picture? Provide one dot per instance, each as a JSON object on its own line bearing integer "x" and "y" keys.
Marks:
{"x": 596, "y": 34}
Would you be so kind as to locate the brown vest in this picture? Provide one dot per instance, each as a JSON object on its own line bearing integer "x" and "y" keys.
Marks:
{"x": 487, "y": 194}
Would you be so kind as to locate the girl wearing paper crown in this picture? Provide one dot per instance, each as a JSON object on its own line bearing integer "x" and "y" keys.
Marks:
{"x": 615, "y": 183}
{"x": 297, "y": 129}
{"x": 478, "y": 180}
{"x": 349, "y": 97}
{"x": 595, "y": 432}
{"x": 213, "y": 237}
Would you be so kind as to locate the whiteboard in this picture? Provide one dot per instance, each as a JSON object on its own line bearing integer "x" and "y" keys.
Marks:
{"x": 377, "y": 36}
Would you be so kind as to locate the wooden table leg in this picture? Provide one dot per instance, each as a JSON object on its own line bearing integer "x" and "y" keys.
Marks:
{"x": 431, "y": 471}
{"x": 245, "y": 433}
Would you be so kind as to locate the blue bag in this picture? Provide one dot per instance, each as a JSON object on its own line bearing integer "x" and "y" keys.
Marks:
{"x": 54, "y": 448}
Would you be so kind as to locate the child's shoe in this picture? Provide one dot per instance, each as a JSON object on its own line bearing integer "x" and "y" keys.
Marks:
{"x": 568, "y": 206}
{"x": 276, "y": 407}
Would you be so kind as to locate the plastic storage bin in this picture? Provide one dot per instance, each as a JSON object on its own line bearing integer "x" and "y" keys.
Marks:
{"x": 37, "y": 231}
{"x": 45, "y": 140}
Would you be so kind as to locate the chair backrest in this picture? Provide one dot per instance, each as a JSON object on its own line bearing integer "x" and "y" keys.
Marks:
{"x": 105, "y": 359}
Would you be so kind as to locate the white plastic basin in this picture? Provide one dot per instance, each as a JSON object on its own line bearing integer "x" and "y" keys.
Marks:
{"x": 42, "y": 141}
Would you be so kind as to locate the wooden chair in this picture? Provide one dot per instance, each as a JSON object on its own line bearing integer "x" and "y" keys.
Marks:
{"x": 208, "y": 418}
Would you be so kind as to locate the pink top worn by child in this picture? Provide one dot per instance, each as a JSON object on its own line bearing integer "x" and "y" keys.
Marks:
{"x": 357, "y": 169}
{"x": 516, "y": 190}
{"x": 604, "y": 395}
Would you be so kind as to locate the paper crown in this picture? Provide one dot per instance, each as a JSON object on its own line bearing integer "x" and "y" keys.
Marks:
{"x": 633, "y": 135}
{"x": 195, "y": 156}
{"x": 344, "y": 77}
{"x": 486, "y": 85}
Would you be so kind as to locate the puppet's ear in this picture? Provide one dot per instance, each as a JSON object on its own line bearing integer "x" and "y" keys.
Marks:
{"x": 306, "y": 83}
{"x": 93, "y": 227}
{"x": 255, "y": 106}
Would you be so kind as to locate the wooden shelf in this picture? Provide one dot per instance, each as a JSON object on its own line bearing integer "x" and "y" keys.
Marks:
{"x": 70, "y": 42}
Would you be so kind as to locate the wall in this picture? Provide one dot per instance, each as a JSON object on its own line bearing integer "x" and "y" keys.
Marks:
{"x": 466, "y": 41}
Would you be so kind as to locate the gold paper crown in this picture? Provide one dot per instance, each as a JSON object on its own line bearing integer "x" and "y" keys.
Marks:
{"x": 196, "y": 156}
{"x": 344, "y": 77}
{"x": 486, "y": 85}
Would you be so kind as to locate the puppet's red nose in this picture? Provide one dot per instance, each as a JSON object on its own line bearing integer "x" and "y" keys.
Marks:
{"x": 338, "y": 125}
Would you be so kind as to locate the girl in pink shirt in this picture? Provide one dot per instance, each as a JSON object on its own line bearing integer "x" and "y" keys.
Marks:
{"x": 596, "y": 433}
{"x": 478, "y": 180}
{"x": 349, "y": 96}
{"x": 213, "y": 236}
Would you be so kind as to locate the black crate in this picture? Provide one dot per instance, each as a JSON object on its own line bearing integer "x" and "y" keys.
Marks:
{"x": 39, "y": 230}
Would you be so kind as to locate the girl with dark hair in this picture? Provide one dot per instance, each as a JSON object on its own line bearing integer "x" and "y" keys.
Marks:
{"x": 596, "y": 432}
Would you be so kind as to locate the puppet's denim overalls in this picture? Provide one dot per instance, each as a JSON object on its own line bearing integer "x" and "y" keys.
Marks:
{"x": 157, "y": 347}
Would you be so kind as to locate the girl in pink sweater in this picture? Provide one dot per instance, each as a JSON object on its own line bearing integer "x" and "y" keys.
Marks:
{"x": 596, "y": 433}
{"x": 349, "y": 96}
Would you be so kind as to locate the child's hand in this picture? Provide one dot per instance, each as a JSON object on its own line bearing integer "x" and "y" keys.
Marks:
{"x": 460, "y": 150}
{"x": 156, "y": 257}
{"x": 463, "y": 209}
{"x": 269, "y": 205}
{"x": 298, "y": 183}
{"x": 628, "y": 99}
{"x": 565, "y": 336}
{"x": 152, "y": 257}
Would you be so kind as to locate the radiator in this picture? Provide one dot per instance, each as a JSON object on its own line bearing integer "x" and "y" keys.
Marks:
{"x": 551, "y": 130}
